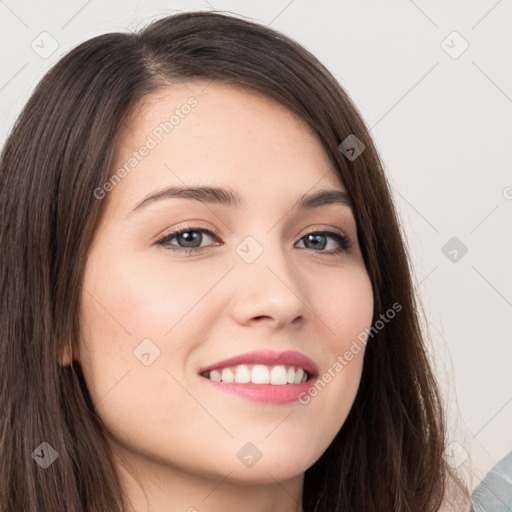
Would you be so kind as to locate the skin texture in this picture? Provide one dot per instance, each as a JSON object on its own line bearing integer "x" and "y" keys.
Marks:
{"x": 171, "y": 430}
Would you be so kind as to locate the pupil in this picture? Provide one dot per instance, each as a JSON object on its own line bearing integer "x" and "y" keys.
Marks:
{"x": 188, "y": 239}
{"x": 316, "y": 240}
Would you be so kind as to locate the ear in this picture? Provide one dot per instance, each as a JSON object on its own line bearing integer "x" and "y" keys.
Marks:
{"x": 67, "y": 355}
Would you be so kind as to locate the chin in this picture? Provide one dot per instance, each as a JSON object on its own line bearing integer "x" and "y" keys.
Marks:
{"x": 279, "y": 462}
{"x": 267, "y": 473}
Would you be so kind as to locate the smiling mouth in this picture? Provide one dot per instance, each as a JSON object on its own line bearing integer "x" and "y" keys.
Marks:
{"x": 279, "y": 375}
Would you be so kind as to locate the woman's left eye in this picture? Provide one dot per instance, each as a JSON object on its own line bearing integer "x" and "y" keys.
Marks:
{"x": 191, "y": 238}
{"x": 318, "y": 238}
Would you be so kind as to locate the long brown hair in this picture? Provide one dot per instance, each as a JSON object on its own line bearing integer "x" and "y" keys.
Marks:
{"x": 388, "y": 456}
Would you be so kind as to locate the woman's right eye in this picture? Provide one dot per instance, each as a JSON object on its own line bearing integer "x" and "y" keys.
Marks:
{"x": 191, "y": 237}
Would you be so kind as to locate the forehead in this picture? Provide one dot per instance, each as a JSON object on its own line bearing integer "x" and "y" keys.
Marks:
{"x": 212, "y": 134}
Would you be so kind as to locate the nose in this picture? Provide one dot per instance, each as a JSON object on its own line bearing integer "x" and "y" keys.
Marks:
{"x": 268, "y": 291}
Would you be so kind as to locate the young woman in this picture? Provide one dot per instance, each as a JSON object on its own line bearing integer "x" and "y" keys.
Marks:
{"x": 206, "y": 299}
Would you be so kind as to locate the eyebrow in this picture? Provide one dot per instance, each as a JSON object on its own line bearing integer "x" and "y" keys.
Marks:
{"x": 229, "y": 197}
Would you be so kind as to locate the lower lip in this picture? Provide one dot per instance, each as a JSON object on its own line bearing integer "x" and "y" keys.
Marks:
{"x": 266, "y": 393}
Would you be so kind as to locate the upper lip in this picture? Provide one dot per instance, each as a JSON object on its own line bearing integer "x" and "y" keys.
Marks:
{"x": 269, "y": 358}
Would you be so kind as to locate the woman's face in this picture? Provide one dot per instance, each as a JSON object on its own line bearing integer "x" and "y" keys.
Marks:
{"x": 154, "y": 317}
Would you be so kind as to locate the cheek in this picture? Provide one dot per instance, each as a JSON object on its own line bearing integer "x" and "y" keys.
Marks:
{"x": 347, "y": 308}
{"x": 347, "y": 312}
{"x": 127, "y": 305}
{"x": 129, "y": 309}
{"x": 129, "y": 300}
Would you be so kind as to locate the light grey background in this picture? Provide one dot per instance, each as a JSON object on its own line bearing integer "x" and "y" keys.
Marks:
{"x": 442, "y": 120}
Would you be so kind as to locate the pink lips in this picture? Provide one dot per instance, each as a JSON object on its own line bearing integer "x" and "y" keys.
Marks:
{"x": 269, "y": 393}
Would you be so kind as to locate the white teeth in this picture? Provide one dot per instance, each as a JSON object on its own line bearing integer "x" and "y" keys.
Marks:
{"x": 259, "y": 374}
{"x": 242, "y": 374}
{"x": 227, "y": 375}
{"x": 215, "y": 375}
{"x": 278, "y": 375}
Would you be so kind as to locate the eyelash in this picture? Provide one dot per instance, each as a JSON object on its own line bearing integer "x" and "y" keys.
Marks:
{"x": 344, "y": 241}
